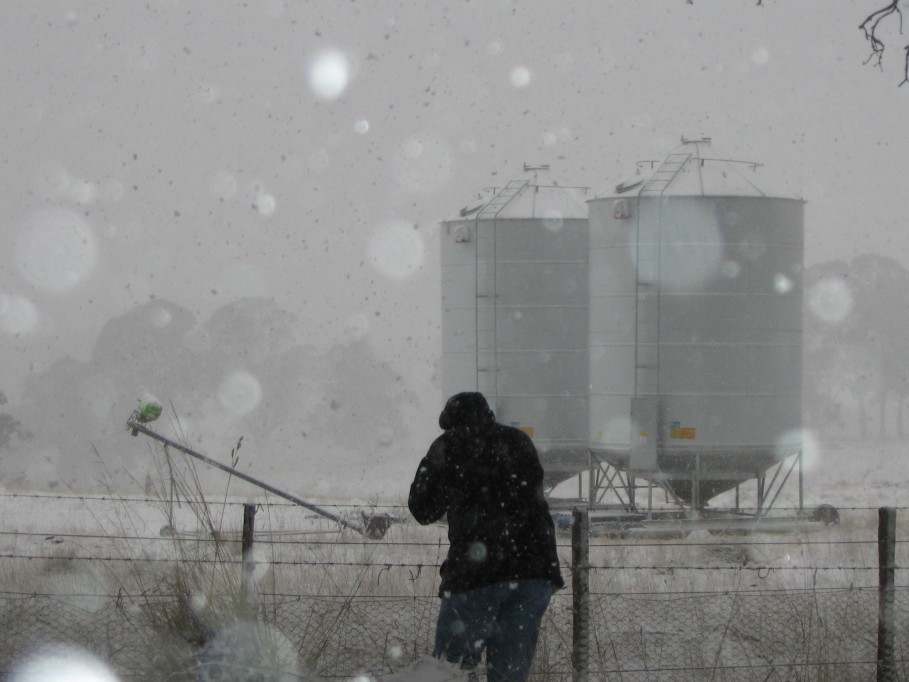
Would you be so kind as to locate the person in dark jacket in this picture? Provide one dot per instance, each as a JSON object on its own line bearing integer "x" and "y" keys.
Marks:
{"x": 502, "y": 566}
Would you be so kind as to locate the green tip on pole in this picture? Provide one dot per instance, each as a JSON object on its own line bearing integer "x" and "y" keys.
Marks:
{"x": 148, "y": 412}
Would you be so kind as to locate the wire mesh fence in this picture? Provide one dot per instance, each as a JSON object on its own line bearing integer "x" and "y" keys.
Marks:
{"x": 736, "y": 636}
{"x": 799, "y": 607}
{"x": 825, "y": 634}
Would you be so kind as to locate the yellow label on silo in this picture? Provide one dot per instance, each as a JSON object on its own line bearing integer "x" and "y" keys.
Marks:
{"x": 683, "y": 432}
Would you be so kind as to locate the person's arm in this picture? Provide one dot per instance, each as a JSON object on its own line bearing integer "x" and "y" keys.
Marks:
{"x": 428, "y": 501}
{"x": 532, "y": 467}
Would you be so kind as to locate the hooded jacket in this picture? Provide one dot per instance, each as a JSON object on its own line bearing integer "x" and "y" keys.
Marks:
{"x": 487, "y": 478}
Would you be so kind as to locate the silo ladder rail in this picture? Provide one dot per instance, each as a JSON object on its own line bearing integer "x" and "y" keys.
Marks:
{"x": 665, "y": 174}
{"x": 498, "y": 203}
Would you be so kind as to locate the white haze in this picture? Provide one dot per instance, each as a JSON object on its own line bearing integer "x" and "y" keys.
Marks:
{"x": 208, "y": 152}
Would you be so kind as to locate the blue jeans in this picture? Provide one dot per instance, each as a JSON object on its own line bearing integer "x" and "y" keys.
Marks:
{"x": 502, "y": 619}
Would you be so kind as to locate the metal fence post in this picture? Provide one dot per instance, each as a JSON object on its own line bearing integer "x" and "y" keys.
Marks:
{"x": 580, "y": 594}
{"x": 249, "y": 524}
{"x": 886, "y": 553}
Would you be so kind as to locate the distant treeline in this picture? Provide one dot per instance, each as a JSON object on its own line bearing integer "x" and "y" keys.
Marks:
{"x": 244, "y": 372}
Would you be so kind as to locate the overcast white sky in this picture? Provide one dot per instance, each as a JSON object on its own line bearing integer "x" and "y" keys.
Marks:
{"x": 210, "y": 150}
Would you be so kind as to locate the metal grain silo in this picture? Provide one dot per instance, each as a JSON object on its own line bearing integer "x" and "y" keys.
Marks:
{"x": 695, "y": 324}
{"x": 514, "y": 312}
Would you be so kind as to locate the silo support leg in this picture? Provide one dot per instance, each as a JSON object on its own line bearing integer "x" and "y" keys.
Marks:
{"x": 796, "y": 461}
{"x": 606, "y": 483}
{"x": 769, "y": 489}
{"x": 696, "y": 483}
{"x": 650, "y": 496}
{"x": 605, "y": 478}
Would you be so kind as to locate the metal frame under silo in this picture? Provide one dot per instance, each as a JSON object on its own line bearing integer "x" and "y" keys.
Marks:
{"x": 623, "y": 516}
{"x": 606, "y": 478}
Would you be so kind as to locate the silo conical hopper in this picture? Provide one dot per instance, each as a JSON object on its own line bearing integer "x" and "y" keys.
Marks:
{"x": 514, "y": 312}
{"x": 695, "y": 324}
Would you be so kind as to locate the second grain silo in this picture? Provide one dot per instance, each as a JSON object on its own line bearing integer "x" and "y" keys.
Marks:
{"x": 695, "y": 324}
{"x": 515, "y": 312}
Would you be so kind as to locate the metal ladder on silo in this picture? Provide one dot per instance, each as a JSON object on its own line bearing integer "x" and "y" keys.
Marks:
{"x": 665, "y": 174}
{"x": 486, "y": 293}
{"x": 647, "y": 289}
{"x": 504, "y": 197}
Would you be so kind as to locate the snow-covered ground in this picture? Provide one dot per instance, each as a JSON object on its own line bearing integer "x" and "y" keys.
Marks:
{"x": 868, "y": 473}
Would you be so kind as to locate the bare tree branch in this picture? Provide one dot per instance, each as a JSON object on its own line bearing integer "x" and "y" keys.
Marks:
{"x": 905, "y": 67}
{"x": 870, "y": 27}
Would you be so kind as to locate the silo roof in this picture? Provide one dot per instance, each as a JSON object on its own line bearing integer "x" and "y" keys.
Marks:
{"x": 692, "y": 170}
{"x": 535, "y": 193}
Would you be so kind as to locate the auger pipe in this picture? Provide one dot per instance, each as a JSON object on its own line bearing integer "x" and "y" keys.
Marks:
{"x": 138, "y": 427}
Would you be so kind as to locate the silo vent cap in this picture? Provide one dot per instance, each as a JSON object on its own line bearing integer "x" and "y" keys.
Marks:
{"x": 629, "y": 184}
{"x": 695, "y": 140}
{"x": 470, "y": 210}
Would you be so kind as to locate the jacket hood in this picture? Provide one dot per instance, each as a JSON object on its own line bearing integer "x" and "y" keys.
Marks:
{"x": 466, "y": 409}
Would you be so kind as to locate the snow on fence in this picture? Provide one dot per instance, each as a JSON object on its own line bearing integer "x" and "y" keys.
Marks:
{"x": 832, "y": 604}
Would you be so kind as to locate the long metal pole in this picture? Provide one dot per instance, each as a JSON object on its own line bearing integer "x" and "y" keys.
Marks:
{"x": 141, "y": 428}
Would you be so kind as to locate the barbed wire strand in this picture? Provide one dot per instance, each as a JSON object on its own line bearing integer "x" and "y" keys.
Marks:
{"x": 387, "y": 565}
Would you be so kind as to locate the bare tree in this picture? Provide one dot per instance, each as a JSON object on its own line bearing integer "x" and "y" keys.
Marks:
{"x": 871, "y": 27}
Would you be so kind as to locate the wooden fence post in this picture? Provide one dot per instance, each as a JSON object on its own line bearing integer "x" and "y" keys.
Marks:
{"x": 249, "y": 524}
{"x": 580, "y": 594}
{"x": 886, "y": 553}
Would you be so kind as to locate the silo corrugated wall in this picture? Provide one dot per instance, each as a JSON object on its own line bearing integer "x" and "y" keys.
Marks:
{"x": 514, "y": 325}
{"x": 695, "y": 335}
